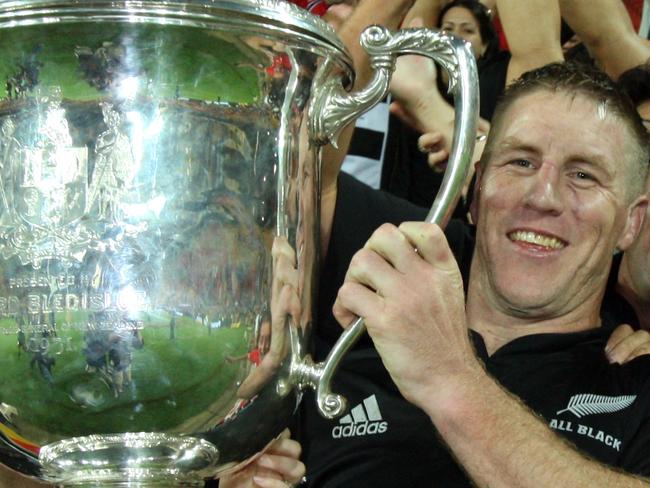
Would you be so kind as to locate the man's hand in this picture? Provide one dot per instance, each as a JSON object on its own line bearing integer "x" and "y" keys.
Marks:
{"x": 626, "y": 344}
{"x": 437, "y": 147}
{"x": 277, "y": 467}
{"x": 416, "y": 99}
{"x": 414, "y": 309}
{"x": 13, "y": 479}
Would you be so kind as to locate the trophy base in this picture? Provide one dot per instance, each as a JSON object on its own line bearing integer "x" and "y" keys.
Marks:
{"x": 129, "y": 460}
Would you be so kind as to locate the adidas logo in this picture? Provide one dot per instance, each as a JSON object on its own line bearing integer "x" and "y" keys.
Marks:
{"x": 364, "y": 419}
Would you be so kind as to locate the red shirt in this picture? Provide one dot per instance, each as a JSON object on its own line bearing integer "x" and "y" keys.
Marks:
{"x": 255, "y": 357}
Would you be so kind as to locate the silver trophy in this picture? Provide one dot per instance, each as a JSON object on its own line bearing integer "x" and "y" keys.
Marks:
{"x": 159, "y": 167}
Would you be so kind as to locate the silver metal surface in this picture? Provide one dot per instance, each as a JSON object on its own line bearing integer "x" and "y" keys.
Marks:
{"x": 158, "y": 233}
{"x": 332, "y": 109}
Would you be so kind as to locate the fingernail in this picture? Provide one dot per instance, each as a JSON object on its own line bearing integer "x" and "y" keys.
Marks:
{"x": 265, "y": 461}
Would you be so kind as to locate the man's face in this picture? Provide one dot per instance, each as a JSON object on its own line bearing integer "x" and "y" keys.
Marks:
{"x": 552, "y": 205}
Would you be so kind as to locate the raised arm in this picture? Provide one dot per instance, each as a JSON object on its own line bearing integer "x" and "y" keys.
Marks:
{"x": 425, "y": 10}
{"x": 533, "y": 32}
{"x": 604, "y": 26}
{"x": 350, "y": 19}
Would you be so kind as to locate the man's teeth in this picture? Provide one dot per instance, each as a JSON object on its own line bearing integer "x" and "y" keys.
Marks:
{"x": 537, "y": 239}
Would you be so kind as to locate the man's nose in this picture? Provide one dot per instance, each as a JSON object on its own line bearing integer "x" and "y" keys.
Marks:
{"x": 545, "y": 192}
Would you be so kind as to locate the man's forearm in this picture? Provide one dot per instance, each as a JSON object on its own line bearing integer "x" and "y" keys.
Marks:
{"x": 533, "y": 32}
{"x": 427, "y": 11}
{"x": 388, "y": 13}
{"x": 501, "y": 443}
{"x": 606, "y": 29}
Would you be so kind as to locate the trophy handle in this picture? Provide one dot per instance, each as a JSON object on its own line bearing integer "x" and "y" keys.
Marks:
{"x": 333, "y": 108}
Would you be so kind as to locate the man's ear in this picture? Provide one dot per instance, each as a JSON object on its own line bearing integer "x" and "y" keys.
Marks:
{"x": 635, "y": 215}
{"x": 473, "y": 207}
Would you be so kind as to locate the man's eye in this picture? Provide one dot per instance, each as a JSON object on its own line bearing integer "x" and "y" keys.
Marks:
{"x": 584, "y": 176}
{"x": 522, "y": 163}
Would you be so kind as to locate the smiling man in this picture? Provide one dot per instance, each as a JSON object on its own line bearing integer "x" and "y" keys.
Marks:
{"x": 560, "y": 189}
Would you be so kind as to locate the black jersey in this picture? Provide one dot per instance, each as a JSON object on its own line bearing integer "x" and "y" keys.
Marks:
{"x": 359, "y": 211}
{"x": 385, "y": 441}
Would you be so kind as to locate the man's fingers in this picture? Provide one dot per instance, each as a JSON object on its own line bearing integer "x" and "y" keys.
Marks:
{"x": 284, "y": 446}
{"x": 393, "y": 246}
{"x": 431, "y": 141}
{"x": 435, "y": 158}
{"x": 431, "y": 243}
{"x": 289, "y": 469}
{"x": 631, "y": 346}
{"x": 285, "y": 303}
{"x": 284, "y": 271}
{"x": 620, "y": 333}
{"x": 263, "y": 482}
{"x": 434, "y": 144}
{"x": 281, "y": 247}
{"x": 354, "y": 301}
{"x": 641, "y": 350}
{"x": 369, "y": 269}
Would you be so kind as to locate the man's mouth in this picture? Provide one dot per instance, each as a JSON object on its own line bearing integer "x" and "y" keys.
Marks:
{"x": 536, "y": 239}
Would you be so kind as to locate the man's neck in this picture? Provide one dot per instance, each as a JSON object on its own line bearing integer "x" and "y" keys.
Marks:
{"x": 498, "y": 324}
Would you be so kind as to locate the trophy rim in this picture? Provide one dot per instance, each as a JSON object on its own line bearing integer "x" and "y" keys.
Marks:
{"x": 278, "y": 15}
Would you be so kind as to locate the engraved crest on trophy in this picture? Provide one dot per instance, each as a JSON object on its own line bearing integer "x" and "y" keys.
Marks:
{"x": 53, "y": 203}
{"x": 43, "y": 192}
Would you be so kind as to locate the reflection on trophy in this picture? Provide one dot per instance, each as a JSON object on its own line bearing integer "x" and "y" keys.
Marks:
{"x": 158, "y": 227}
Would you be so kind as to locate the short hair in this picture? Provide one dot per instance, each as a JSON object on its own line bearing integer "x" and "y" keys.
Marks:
{"x": 578, "y": 79}
{"x": 635, "y": 82}
{"x": 485, "y": 25}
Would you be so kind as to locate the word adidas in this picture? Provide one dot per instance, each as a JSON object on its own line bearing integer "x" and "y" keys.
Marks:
{"x": 364, "y": 419}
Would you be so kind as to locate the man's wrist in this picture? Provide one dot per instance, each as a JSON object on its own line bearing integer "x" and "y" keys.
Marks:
{"x": 453, "y": 396}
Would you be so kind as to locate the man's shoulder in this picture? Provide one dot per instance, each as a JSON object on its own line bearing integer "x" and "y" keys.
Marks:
{"x": 361, "y": 209}
{"x": 372, "y": 205}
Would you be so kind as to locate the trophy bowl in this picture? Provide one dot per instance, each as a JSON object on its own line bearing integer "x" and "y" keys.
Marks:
{"x": 159, "y": 176}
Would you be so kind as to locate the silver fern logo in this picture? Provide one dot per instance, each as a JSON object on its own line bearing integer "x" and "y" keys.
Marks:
{"x": 589, "y": 404}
